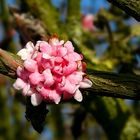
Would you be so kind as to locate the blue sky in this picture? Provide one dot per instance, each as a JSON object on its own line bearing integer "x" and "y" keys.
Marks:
{"x": 93, "y": 6}
{"x": 87, "y": 6}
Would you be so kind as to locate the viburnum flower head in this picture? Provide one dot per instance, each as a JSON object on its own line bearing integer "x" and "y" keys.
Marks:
{"x": 52, "y": 71}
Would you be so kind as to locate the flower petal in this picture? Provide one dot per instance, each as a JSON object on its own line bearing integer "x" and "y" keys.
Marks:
{"x": 35, "y": 78}
{"x": 54, "y": 41}
{"x": 30, "y": 65}
{"x": 78, "y": 95}
{"x": 45, "y": 47}
{"x": 46, "y": 56}
{"x": 62, "y": 51}
{"x": 86, "y": 83}
{"x": 73, "y": 57}
{"x": 23, "y": 54}
{"x": 44, "y": 92}
{"x": 68, "y": 87}
{"x": 75, "y": 77}
{"x": 27, "y": 91}
{"x": 30, "y": 47}
{"x": 68, "y": 45}
{"x": 49, "y": 81}
{"x": 72, "y": 66}
{"x": 19, "y": 84}
{"x": 58, "y": 60}
{"x": 19, "y": 70}
{"x": 36, "y": 99}
{"x": 54, "y": 96}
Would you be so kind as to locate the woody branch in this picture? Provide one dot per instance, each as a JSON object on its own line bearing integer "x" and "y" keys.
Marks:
{"x": 104, "y": 83}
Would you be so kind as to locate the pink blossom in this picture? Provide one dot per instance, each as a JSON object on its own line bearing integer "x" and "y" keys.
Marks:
{"x": 87, "y": 22}
{"x": 52, "y": 71}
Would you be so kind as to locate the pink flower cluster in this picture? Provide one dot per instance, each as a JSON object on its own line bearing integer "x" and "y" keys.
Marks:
{"x": 51, "y": 71}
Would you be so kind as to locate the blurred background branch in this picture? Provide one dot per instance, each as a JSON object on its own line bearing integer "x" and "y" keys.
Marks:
{"x": 131, "y": 7}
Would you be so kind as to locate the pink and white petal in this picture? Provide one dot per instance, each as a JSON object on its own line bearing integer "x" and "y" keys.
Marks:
{"x": 78, "y": 95}
{"x": 62, "y": 51}
{"x": 19, "y": 84}
{"x": 61, "y": 42}
{"x": 36, "y": 99}
{"x": 54, "y": 50}
{"x": 30, "y": 65}
{"x": 74, "y": 57}
{"x": 68, "y": 87}
{"x": 49, "y": 81}
{"x": 30, "y": 47}
{"x": 68, "y": 45}
{"x": 54, "y": 41}
{"x": 58, "y": 60}
{"x": 47, "y": 63}
{"x": 63, "y": 81}
{"x": 19, "y": 70}
{"x": 25, "y": 74}
{"x": 35, "y": 78}
{"x": 24, "y": 54}
{"x": 38, "y": 57}
{"x": 54, "y": 96}
{"x": 46, "y": 56}
{"x": 86, "y": 83}
{"x": 45, "y": 47}
{"x": 37, "y": 46}
{"x": 72, "y": 66}
{"x": 30, "y": 92}
{"x": 66, "y": 58}
{"x": 34, "y": 55}
{"x": 58, "y": 70}
{"x": 39, "y": 87}
{"x": 44, "y": 92}
{"x": 26, "y": 89}
{"x": 75, "y": 77}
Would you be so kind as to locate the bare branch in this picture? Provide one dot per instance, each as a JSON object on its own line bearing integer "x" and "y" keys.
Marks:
{"x": 104, "y": 83}
{"x": 9, "y": 63}
{"x": 115, "y": 85}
